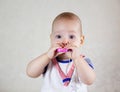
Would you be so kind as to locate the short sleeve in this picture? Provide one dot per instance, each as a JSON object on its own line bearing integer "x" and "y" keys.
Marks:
{"x": 89, "y": 62}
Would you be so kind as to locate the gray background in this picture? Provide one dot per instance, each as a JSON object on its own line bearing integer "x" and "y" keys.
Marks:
{"x": 25, "y": 26}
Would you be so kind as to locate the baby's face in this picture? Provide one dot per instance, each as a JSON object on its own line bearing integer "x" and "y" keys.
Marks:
{"x": 66, "y": 33}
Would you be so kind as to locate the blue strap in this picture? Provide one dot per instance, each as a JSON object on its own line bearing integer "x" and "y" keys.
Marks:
{"x": 66, "y": 79}
{"x": 64, "y": 61}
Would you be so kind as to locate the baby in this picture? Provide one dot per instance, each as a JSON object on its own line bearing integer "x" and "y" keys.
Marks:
{"x": 63, "y": 67}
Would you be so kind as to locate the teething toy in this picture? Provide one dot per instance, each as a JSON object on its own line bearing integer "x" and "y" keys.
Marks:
{"x": 62, "y": 50}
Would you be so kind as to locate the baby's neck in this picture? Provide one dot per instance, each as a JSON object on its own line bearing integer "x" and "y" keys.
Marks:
{"x": 62, "y": 57}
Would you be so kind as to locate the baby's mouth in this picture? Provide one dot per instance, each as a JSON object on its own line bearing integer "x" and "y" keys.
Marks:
{"x": 69, "y": 50}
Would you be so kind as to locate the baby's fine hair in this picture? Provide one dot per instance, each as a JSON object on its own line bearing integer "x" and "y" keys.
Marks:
{"x": 67, "y": 16}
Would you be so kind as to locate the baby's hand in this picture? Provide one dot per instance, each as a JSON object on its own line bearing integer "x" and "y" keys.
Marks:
{"x": 75, "y": 52}
{"x": 54, "y": 52}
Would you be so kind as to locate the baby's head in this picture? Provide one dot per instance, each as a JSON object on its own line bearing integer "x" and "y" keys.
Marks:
{"x": 67, "y": 30}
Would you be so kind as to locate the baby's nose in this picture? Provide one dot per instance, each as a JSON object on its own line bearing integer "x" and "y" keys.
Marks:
{"x": 65, "y": 42}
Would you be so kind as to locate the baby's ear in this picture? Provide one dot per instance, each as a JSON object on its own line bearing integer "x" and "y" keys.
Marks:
{"x": 82, "y": 39}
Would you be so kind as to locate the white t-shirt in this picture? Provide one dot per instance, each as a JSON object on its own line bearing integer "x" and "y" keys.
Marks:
{"x": 53, "y": 81}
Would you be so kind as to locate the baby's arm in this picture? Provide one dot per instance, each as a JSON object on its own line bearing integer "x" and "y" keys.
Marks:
{"x": 85, "y": 72}
{"x": 36, "y": 67}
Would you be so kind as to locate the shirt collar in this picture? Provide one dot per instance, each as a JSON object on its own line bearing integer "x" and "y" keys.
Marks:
{"x": 64, "y": 61}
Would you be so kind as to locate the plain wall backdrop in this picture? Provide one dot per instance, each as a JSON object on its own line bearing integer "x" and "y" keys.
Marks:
{"x": 25, "y": 26}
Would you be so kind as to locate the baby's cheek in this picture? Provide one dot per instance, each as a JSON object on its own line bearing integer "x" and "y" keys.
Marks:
{"x": 54, "y": 43}
{"x": 76, "y": 44}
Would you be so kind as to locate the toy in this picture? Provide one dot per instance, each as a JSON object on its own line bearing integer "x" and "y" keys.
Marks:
{"x": 62, "y": 50}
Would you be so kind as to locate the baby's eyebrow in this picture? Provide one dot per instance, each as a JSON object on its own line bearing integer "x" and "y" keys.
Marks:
{"x": 57, "y": 32}
{"x": 71, "y": 31}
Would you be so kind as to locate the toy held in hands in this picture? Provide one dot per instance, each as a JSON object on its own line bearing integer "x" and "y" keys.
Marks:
{"x": 62, "y": 50}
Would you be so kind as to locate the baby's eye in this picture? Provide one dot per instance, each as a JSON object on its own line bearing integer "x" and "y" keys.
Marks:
{"x": 58, "y": 36}
{"x": 71, "y": 36}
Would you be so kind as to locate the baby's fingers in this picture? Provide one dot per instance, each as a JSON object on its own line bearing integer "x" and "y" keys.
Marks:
{"x": 58, "y": 53}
